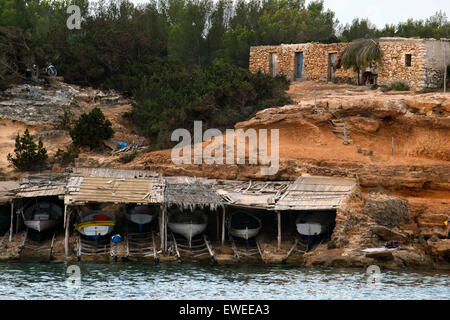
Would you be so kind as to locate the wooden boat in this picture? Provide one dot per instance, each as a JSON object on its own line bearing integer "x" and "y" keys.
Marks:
{"x": 96, "y": 223}
{"x": 244, "y": 225}
{"x": 140, "y": 214}
{"x": 42, "y": 216}
{"x": 186, "y": 223}
{"x": 312, "y": 225}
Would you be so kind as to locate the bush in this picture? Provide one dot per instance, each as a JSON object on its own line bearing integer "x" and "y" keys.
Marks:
{"x": 395, "y": 86}
{"x": 91, "y": 129}
{"x": 399, "y": 86}
{"x": 66, "y": 120}
{"x": 219, "y": 95}
{"x": 28, "y": 155}
{"x": 128, "y": 157}
{"x": 68, "y": 156}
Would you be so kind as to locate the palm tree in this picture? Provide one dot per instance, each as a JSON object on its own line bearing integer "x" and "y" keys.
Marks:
{"x": 360, "y": 54}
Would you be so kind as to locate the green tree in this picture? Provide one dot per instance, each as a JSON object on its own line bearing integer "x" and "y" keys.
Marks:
{"x": 360, "y": 54}
{"x": 91, "y": 129}
{"x": 28, "y": 155}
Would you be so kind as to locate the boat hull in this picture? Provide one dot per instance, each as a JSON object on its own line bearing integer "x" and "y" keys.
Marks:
{"x": 244, "y": 233}
{"x": 310, "y": 228}
{"x": 96, "y": 231}
{"x": 187, "y": 230}
{"x": 96, "y": 224}
{"x": 244, "y": 225}
{"x": 139, "y": 218}
{"x": 40, "y": 225}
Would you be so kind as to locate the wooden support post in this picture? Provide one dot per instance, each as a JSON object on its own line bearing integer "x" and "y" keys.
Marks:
{"x": 66, "y": 227}
{"x": 11, "y": 228}
{"x": 217, "y": 225}
{"x": 161, "y": 229}
{"x": 165, "y": 228}
{"x": 223, "y": 225}
{"x": 18, "y": 219}
{"x": 279, "y": 229}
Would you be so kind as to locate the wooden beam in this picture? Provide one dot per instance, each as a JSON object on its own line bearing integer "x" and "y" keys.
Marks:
{"x": 161, "y": 229}
{"x": 223, "y": 225}
{"x": 67, "y": 227}
{"x": 165, "y": 228}
{"x": 217, "y": 225}
{"x": 279, "y": 229}
{"x": 17, "y": 219}
{"x": 11, "y": 228}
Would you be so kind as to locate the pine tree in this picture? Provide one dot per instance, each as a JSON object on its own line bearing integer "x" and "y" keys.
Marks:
{"x": 28, "y": 155}
{"x": 91, "y": 129}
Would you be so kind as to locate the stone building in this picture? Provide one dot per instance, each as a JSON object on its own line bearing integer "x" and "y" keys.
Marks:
{"x": 416, "y": 62}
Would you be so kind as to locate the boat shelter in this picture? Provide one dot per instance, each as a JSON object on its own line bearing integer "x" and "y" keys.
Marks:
{"x": 189, "y": 193}
{"x": 7, "y": 197}
{"x": 82, "y": 186}
{"x": 38, "y": 186}
{"x": 114, "y": 186}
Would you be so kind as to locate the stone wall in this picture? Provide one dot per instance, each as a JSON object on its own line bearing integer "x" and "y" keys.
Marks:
{"x": 315, "y": 60}
{"x": 392, "y": 67}
{"x": 426, "y": 68}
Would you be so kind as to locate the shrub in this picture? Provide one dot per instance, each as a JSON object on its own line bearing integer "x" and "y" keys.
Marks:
{"x": 91, "y": 129}
{"x": 128, "y": 157}
{"x": 28, "y": 155}
{"x": 66, "y": 157}
{"x": 399, "y": 86}
{"x": 66, "y": 120}
{"x": 374, "y": 87}
{"x": 219, "y": 95}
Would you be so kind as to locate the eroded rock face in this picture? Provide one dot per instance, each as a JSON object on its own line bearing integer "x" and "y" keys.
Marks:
{"x": 386, "y": 210}
{"x": 390, "y": 234}
{"x": 440, "y": 248}
{"x": 45, "y": 104}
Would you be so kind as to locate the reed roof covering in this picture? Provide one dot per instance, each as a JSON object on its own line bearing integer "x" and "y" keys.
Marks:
{"x": 191, "y": 192}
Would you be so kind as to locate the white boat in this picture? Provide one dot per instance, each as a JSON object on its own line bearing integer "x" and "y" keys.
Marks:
{"x": 309, "y": 229}
{"x": 313, "y": 224}
{"x": 188, "y": 224}
{"x": 244, "y": 225}
{"x": 42, "y": 216}
{"x": 95, "y": 224}
{"x": 140, "y": 214}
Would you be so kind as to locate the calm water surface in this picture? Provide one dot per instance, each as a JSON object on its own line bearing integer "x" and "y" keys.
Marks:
{"x": 140, "y": 281}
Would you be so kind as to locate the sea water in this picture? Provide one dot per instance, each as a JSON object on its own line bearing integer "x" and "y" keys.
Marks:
{"x": 191, "y": 281}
